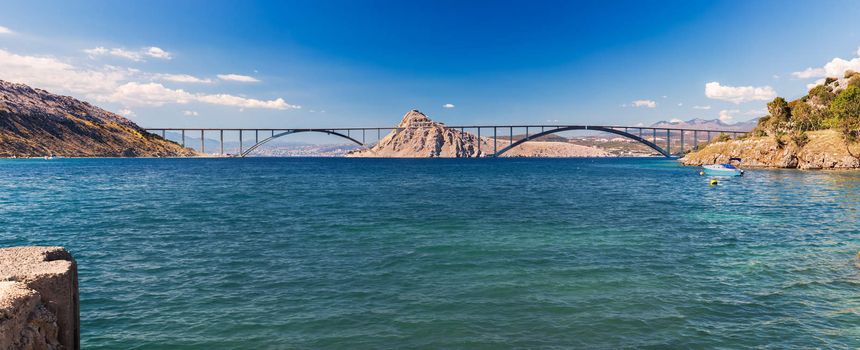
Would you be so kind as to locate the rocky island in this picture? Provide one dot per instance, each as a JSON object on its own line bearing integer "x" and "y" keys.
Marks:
{"x": 36, "y": 123}
{"x": 820, "y": 130}
{"x": 418, "y": 136}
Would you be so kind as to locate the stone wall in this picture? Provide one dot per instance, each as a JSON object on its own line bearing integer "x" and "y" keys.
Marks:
{"x": 38, "y": 299}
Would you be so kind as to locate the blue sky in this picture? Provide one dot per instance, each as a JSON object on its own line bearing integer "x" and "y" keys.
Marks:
{"x": 365, "y": 63}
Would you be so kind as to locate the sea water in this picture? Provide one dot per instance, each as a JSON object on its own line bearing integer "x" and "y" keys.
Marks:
{"x": 444, "y": 253}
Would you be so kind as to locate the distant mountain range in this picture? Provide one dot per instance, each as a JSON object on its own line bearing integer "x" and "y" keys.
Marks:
{"x": 706, "y": 124}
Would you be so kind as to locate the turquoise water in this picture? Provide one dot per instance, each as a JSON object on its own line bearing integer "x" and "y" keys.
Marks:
{"x": 475, "y": 253}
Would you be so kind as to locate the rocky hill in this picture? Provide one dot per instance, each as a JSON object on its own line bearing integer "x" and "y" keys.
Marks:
{"x": 421, "y": 137}
{"x": 35, "y": 123}
{"x": 817, "y": 131}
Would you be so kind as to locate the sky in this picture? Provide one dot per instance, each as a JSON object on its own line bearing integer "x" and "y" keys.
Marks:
{"x": 279, "y": 64}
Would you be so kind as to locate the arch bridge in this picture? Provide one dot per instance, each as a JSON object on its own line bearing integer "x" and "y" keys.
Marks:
{"x": 503, "y": 137}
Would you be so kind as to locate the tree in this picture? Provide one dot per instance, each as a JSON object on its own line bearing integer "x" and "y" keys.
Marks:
{"x": 846, "y": 109}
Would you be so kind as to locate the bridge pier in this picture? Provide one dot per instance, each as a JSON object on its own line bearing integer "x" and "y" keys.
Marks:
{"x": 240, "y": 141}
{"x": 183, "y": 137}
{"x": 479, "y": 141}
{"x": 494, "y": 142}
{"x": 222, "y": 142}
{"x": 668, "y": 141}
{"x": 695, "y": 140}
{"x": 202, "y": 142}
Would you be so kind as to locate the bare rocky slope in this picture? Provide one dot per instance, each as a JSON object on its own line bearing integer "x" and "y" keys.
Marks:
{"x": 34, "y": 123}
{"x": 421, "y": 137}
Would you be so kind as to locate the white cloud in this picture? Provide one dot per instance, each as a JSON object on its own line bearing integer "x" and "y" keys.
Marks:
{"x": 237, "y": 77}
{"x": 702, "y": 107}
{"x": 4, "y": 30}
{"x": 448, "y": 105}
{"x": 155, "y": 94}
{"x": 738, "y": 94}
{"x": 810, "y": 73}
{"x": 50, "y": 73}
{"x": 756, "y": 112}
{"x": 645, "y": 103}
{"x": 190, "y": 113}
{"x": 835, "y": 68}
{"x": 182, "y": 78}
{"x": 125, "y": 112}
{"x": 680, "y": 104}
{"x": 675, "y": 121}
{"x": 236, "y": 101}
{"x": 816, "y": 83}
{"x": 112, "y": 84}
{"x": 136, "y": 56}
{"x": 157, "y": 52}
{"x": 726, "y": 115}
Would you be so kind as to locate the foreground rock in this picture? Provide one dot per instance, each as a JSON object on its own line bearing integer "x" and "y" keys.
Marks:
{"x": 421, "y": 137}
{"x": 35, "y": 123}
{"x": 824, "y": 150}
{"x": 38, "y": 299}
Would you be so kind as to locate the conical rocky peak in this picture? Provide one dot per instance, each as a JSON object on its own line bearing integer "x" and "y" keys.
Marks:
{"x": 415, "y": 118}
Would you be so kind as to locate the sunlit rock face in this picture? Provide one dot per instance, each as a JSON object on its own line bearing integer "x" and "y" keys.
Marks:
{"x": 35, "y": 123}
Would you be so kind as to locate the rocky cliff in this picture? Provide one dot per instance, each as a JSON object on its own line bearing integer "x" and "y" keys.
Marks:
{"x": 824, "y": 149}
{"x": 34, "y": 123}
{"x": 421, "y": 137}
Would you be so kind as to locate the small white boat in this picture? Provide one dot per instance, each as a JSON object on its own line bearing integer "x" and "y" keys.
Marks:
{"x": 723, "y": 169}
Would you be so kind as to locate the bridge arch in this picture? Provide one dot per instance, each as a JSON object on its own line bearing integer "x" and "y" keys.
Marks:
{"x": 296, "y": 131}
{"x": 585, "y": 127}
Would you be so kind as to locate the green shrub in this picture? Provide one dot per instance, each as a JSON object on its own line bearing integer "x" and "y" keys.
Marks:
{"x": 800, "y": 138}
{"x": 779, "y": 111}
{"x": 722, "y": 137}
{"x": 846, "y": 109}
{"x": 777, "y": 138}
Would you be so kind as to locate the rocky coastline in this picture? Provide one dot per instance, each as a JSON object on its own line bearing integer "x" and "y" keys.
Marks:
{"x": 824, "y": 149}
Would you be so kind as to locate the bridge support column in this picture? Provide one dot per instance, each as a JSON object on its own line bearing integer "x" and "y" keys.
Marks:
{"x": 222, "y": 142}
{"x": 695, "y": 139}
{"x": 479, "y": 141}
{"x": 202, "y": 142}
{"x": 512, "y": 135}
{"x": 669, "y": 141}
{"x": 256, "y": 136}
{"x": 682, "y": 143}
{"x": 494, "y": 142}
{"x": 163, "y": 133}
{"x": 183, "y": 137}
{"x": 362, "y": 137}
{"x": 240, "y": 141}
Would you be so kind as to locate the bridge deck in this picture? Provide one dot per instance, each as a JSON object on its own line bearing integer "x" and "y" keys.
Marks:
{"x": 636, "y": 133}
